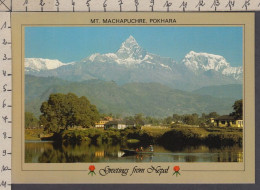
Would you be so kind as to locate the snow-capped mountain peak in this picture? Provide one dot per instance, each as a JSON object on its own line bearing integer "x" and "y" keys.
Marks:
{"x": 131, "y": 40}
{"x": 130, "y": 49}
{"x": 93, "y": 56}
{"x": 201, "y": 62}
{"x": 205, "y": 61}
{"x": 129, "y": 54}
{"x": 39, "y": 64}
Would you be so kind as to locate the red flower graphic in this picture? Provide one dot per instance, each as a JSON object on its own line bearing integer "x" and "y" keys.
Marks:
{"x": 176, "y": 170}
{"x": 92, "y": 170}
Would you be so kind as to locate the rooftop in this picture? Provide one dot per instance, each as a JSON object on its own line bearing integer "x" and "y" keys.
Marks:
{"x": 225, "y": 117}
{"x": 116, "y": 122}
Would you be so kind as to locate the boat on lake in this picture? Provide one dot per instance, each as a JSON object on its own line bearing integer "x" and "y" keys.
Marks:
{"x": 134, "y": 152}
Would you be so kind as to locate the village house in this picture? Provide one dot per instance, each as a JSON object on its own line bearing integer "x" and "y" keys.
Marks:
{"x": 101, "y": 123}
{"x": 227, "y": 121}
{"x": 119, "y": 124}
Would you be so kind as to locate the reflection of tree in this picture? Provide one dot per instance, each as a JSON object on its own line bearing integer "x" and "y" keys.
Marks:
{"x": 33, "y": 151}
{"x": 84, "y": 152}
{"x": 65, "y": 154}
{"x": 55, "y": 156}
{"x": 190, "y": 158}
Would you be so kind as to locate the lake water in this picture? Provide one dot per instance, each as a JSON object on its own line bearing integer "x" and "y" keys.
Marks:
{"x": 49, "y": 152}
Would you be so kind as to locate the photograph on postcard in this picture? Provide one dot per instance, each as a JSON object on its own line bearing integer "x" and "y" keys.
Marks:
{"x": 133, "y": 94}
{"x": 133, "y": 102}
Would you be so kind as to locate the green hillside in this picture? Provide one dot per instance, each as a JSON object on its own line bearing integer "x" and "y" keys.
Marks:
{"x": 222, "y": 91}
{"x": 151, "y": 99}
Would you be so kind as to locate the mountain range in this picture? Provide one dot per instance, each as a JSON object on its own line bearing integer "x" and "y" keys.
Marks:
{"x": 132, "y": 80}
{"x": 133, "y": 64}
{"x": 151, "y": 99}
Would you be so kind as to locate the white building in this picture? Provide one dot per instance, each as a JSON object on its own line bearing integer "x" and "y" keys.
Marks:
{"x": 119, "y": 124}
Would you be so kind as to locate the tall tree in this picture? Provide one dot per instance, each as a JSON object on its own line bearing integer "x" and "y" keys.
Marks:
{"x": 177, "y": 118}
{"x": 61, "y": 111}
{"x": 238, "y": 109}
{"x": 30, "y": 120}
{"x": 168, "y": 120}
{"x": 139, "y": 119}
{"x": 191, "y": 119}
{"x": 212, "y": 115}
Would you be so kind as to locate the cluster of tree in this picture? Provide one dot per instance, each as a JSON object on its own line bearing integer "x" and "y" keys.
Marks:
{"x": 238, "y": 109}
{"x": 138, "y": 119}
{"x": 194, "y": 119}
{"x": 31, "y": 121}
{"x": 61, "y": 111}
{"x": 189, "y": 119}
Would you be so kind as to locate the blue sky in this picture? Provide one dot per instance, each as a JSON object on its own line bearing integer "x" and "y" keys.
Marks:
{"x": 75, "y": 43}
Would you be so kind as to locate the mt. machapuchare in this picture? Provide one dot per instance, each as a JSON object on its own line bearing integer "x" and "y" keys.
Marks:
{"x": 131, "y": 63}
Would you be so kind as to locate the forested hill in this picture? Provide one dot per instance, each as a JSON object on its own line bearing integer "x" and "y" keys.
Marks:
{"x": 151, "y": 99}
{"x": 222, "y": 91}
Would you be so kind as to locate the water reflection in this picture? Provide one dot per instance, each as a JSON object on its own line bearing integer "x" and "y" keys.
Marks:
{"x": 49, "y": 152}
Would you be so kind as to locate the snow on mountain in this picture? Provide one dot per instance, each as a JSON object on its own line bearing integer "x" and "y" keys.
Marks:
{"x": 236, "y": 72}
{"x": 131, "y": 49}
{"x": 132, "y": 63}
{"x": 38, "y": 64}
{"x": 130, "y": 54}
{"x": 200, "y": 62}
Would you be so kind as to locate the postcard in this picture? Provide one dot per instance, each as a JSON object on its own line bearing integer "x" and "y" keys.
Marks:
{"x": 133, "y": 98}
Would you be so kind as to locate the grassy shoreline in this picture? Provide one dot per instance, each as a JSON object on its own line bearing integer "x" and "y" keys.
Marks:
{"x": 33, "y": 134}
{"x": 166, "y": 136}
